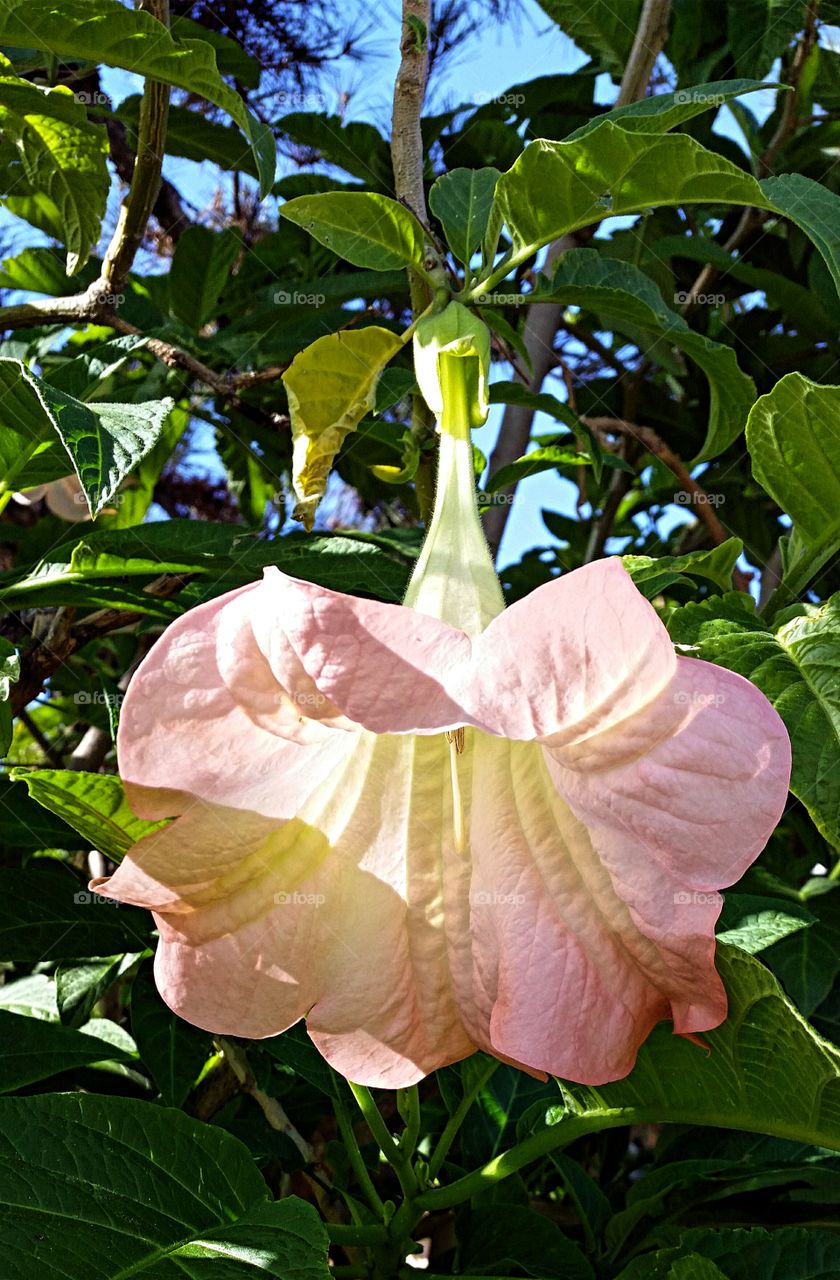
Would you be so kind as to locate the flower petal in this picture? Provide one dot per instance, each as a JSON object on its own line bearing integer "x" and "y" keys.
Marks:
{"x": 388, "y": 668}
{"x": 184, "y": 732}
{"x": 336, "y": 915}
{"x": 594, "y": 888}
{"x": 574, "y": 657}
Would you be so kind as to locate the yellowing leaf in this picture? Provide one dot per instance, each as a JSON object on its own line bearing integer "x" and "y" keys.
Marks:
{"x": 331, "y": 385}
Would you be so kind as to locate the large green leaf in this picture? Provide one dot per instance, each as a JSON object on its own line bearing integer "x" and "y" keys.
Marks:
{"x": 795, "y": 451}
{"x": 45, "y": 432}
{"x": 744, "y": 1082}
{"x": 63, "y": 157}
{"x": 601, "y": 28}
{"x": 461, "y": 200}
{"x": 93, "y": 803}
{"x": 331, "y": 385}
{"x": 368, "y": 230}
{"x": 557, "y": 187}
{"x": 653, "y": 574}
{"x": 32, "y": 1049}
{"x": 200, "y": 269}
{"x": 46, "y": 913}
{"x": 224, "y": 554}
{"x": 797, "y": 668}
{"x": 355, "y": 146}
{"x": 135, "y": 41}
{"x": 759, "y": 31}
{"x": 96, "y": 1188}
{"x": 785, "y": 1253}
{"x": 623, "y": 294}
{"x": 664, "y": 111}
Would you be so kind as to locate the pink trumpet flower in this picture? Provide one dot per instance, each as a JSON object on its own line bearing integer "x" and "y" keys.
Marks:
{"x": 443, "y": 826}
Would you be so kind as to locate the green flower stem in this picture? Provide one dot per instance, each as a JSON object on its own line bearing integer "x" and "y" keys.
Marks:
{"x": 356, "y": 1161}
{"x": 524, "y": 1153}
{"x": 348, "y": 1234}
{"x": 386, "y": 1143}
{"x": 408, "y": 1105}
{"x": 457, "y": 1118}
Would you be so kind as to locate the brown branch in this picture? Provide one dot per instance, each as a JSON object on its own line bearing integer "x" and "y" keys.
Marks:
{"x": 652, "y": 443}
{"x": 543, "y": 320}
{"x": 63, "y": 636}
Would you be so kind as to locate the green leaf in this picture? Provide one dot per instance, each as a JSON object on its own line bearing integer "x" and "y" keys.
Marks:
{"x": 785, "y": 1253}
{"x": 653, "y": 575}
{"x": 796, "y": 668}
{"x": 368, "y": 230}
{"x": 355, "y": 146}
{"x": 40, "y": 270}
{"x": 200, "y": 269}
{"x": 813, "y": 208}
{"x": 622, "y": 293}
{"x": 173, "y": 1051}
{"x": 101, "y": 442}
{"x": 27, "y": 827}
{"x": 225, "y": 555}
{"x": 546, "y": 459}
{"x": 32, "y": 1050}
{"x": 78, "y": 987}
{"x": 807, "y": 965}
{"x": 602, "y": 29}
{"x": 92, "y": 803}
{"x": 795, "y": 453}
{"x": 754, "y": 923}
{"x": 664, "y": 111}
{"x": 494, "y": 1242}
{"x": 461, "y": 201}
{"x": 46, "y": 913}
{"x": 135, "y": 41}
{"x": 760, "y": 31}
{"x": 331, "y": 385}
{"x": 743, "y": 1083}
{"x": 63, "y": 157}
{"x": 192, "y": 135}
{"x": 130, "y": 1189}
{"x": 557, "y": 187}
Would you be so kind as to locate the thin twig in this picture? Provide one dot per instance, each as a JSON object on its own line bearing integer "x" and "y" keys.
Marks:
{"x": 654, "y": 444}
{"x": 270, "y": 1107}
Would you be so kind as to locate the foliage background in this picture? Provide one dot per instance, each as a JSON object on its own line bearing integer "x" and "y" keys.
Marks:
{"x": 133, "y": 1144}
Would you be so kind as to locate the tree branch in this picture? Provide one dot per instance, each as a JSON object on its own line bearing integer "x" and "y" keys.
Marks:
{"x": 543, "y": 320}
